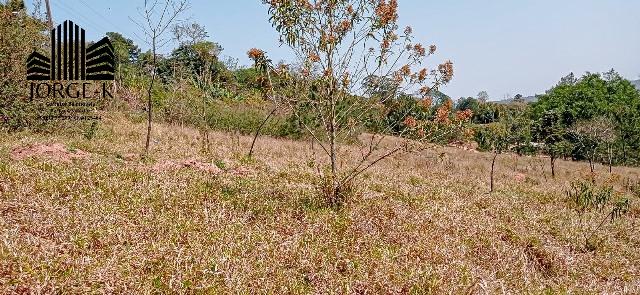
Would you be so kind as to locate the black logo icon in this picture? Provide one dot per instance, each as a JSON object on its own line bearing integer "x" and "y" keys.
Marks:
{"x": 70, "y": 60}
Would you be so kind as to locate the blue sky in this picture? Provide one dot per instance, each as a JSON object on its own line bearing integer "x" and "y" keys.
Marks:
{"x": 501, "y": 46}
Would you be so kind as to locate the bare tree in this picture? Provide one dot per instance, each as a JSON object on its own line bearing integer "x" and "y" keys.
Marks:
{"x": 483, "y": 96}
{"x": 156, "y": 17}
{"x": 594, "y": 135}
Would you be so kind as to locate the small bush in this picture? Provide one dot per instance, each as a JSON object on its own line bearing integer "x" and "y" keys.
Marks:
{"x": 596, "y": 204}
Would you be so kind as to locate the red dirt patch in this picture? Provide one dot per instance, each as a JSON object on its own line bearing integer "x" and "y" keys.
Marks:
{"x": 241, "y": 171}
{"x": 520, "y": 177}
{"x": 53, "y": 151}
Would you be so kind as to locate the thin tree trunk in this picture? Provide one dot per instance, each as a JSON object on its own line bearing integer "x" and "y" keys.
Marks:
{"x": 149, "y": 102}
{"x": 205, "y": 81}
{"x": 332, "y": 132}
{"x": 255, "y": 136}
{"x": 553, "y": 167}
{"x": 493, "y": 165}
{"x": 334, "y": 168}
{"x": 610, "y": 159}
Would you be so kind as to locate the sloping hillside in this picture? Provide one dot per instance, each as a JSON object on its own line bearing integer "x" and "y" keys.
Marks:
{"x": 82, "y": 216}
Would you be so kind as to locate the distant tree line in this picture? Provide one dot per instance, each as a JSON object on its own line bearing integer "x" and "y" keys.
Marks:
{"x": 594, "y": 118}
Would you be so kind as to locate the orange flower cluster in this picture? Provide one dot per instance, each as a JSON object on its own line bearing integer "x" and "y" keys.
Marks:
{"x": 446, "y": 69}
{"x": 425, "y": 91}
{"x": 432, "y": 49}
{"x": 386, "y": 44}
{"x": 255, "y": 54}
{"x": 422, "y": 75}
{"x": 442, "y": 114}
{"x": 419, "y": 50}
{"x": 463, "y": 116}
{"x": 408, "y": 30}
{"x": 345, "y": 26}
{"x": 350, "y": 9}
{"x": 345, "y": 80}
{"x": 313, "y": 57}
{"x": 405, "y": 71}
{"x": 426, "y": 103}
{"x": 305, "y": 4}
{"x": 410, "y": 122}
{"x": 387, "y": 13}
{"x": 387, "y": 41}
{"x": 398, "y": 77}
{"x": 327, "y": 38}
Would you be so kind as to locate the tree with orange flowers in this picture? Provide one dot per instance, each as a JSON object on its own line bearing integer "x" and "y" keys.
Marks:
{"x": 340, "y": 45}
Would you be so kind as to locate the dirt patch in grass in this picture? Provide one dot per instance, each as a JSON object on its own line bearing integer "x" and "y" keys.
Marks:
{"x": 53, "y": 151}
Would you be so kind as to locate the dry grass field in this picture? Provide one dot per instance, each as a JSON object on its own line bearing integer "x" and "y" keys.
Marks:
{"x": 90, "y": 216}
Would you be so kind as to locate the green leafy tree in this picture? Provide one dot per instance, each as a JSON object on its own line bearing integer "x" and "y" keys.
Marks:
{"x": 468, "y": 103}
{"x": 16, "y": 5}
{"x": 592, "y": 96}
{"x": 20, "y": 35}
{"x": 126, "y": 54}
{"x": 550, "y": 131}
{"x": 593, "y": 135}
{"x": 494, "y": 138}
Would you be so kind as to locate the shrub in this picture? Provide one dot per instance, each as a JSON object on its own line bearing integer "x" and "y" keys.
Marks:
{"x": 596, "y": 205}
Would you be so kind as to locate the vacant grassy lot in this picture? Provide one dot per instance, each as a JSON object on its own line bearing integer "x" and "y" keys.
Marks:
{"x": 89, "y": 216}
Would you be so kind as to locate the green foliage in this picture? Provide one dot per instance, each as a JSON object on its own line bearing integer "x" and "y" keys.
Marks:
{"x": 21, "y": 34}
{"x": 512, "y": 133}
{"x": 245, "y": 118}
{"x": 397, "y": 110}
{"x": 468, "y": 103}
{"x": 602, "y": 201}
{"x": 196, "y": 88}
{"x": 586, "y": 103}
{"x": 550, "y": 131}
{"x": 15, "y": 5}
{"x": 493, "y": 138}
{"x": 519, "y": 127}
{"x": 125, "y": 50}
{"x": 379, "y": 88}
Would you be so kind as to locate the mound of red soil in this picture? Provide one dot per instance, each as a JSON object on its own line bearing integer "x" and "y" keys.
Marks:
{"x": 53, "y": 151}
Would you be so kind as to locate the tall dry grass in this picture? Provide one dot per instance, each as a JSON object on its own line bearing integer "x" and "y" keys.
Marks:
{"x": 421, "y": 224}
